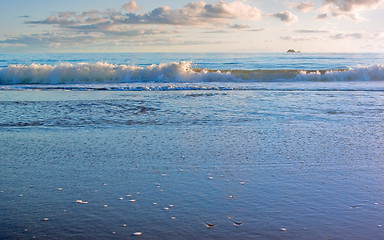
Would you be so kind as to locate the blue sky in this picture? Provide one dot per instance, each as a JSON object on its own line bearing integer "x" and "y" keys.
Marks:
{"x": 191, "y": 26}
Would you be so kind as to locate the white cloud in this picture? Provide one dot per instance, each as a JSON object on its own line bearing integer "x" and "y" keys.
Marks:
{"x": 298, "y": 39}
{"x": 350, "y": 8}
{"x": 55, "y": 44}
{"x": 131, "y": 6}
{"x": 235, "y": 9}
{"x": 193, "y": 14}
{"x": 302, "y": 6}
{"x": 286, "y": 16}
{"x": 310, "y": 31}
{"x": 127, "y": 25}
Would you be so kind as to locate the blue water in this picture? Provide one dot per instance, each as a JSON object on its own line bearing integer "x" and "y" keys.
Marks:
{"x": 288, "y": 155}
{"x": 213, "y": 71}
{"x": 219, "y": 61}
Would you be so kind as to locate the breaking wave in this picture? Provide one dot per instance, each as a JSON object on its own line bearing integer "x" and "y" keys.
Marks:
{"x": 176, "y": 72}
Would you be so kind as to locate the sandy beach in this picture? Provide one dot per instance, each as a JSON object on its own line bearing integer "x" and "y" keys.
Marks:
{"x": 187, "y": 165}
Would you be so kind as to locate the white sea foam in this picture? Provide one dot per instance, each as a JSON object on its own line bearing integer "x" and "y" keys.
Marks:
{"x": 176, "y": 72}
{"x": 67, "y": 73}
{"x": 370, "y": 73}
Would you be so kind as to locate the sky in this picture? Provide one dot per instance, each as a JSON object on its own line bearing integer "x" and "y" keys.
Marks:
{"x": 43, "y": 26}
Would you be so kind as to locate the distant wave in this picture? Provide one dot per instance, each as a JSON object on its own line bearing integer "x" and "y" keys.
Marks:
{"x": 176, "y": 72}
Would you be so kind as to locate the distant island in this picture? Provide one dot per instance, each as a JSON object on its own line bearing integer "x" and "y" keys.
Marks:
{"x": 293, "y": 51}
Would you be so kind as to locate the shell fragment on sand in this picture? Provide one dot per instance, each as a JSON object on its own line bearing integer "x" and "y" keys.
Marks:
{"x": 234, "y": 222}
{"x": 209, "y": 225}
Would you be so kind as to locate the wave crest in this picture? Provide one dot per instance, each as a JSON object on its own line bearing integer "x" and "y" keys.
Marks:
{"x": 66, "y": 73}
{"x": 84, "y": 73}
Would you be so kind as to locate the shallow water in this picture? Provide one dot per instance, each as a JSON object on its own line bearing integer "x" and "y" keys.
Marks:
{"x": 310, "y": 162}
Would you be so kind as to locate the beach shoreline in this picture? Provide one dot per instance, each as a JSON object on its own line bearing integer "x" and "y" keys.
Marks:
{"x": 290, "y": 165}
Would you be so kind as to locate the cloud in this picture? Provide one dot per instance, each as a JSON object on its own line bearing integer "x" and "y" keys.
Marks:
{"x": 310, "y": 31}
{"x": 54, "y": 42}
{"x": 131, "y": 6}
{"x": 51, "y": 39}
{"x": 77, "y": 39}
{"x": 358, "y": 36}
{"x": 127, "y": 24}
{"x": 240, "y": 26}
{"x": 193, "y": 14}
{"x": 298, "y": 39}
{"x": 302, "y": 6}
{"x": 218, "y": 31}
{"x": 286, "y": 16}
{"x": 223, "y": 9}
{"x": 350, "y": 8}
{"x": 349, "y": 35}
{"x": 257, "y": 30}
{"x": 237, "y": 27}
{"x": 321, "y": 16}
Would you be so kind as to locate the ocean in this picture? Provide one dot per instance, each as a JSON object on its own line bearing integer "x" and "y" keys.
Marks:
{"x": 210, "y": 71}
{"x": 192, "y": 146}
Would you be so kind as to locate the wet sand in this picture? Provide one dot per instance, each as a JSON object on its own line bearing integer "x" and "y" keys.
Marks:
{"x": 257, "y": 171}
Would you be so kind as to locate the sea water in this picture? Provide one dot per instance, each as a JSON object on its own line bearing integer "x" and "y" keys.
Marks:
{"x": 184, "y": 71}
{"x": 194, "y": 146}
